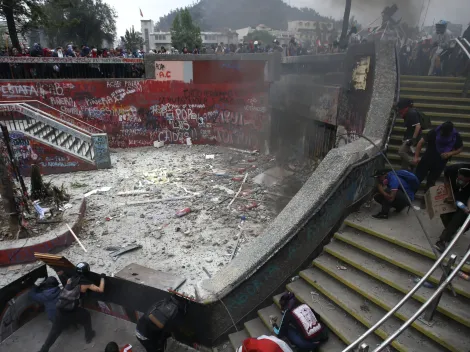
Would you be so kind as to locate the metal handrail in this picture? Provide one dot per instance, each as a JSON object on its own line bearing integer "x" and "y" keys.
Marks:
{"x": 51, "y": 107}
{"x": 414, "y": 289}
{"x": 464, "y": 49}
{"x": 466, "y": 41}
{"x": 436, "y": 294}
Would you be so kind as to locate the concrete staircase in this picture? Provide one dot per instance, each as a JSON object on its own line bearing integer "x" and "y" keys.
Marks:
{"x": 365, "y": 271}
{"x": 441, "y": 99}
{"x": 36, "y": 123}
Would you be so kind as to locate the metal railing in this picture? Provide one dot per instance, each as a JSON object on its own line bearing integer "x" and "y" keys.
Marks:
{"x": 39, "y": 125}
{"x": 434, "y": 299}
{"x": 24, "y": 67}
{"x": 56, "y": 114}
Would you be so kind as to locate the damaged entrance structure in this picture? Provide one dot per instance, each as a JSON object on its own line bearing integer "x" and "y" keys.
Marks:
{"x": 296, "y": 236}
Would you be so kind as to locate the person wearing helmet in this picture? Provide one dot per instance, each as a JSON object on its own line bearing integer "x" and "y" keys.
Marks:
{"x": 69, "y": 309}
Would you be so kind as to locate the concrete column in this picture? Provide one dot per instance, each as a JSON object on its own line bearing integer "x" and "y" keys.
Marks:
{"x": 101, "y": 150}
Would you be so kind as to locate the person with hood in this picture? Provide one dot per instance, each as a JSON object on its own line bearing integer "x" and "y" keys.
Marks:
{"x": 264, "y": 343}
{"x": 46, "y": 292}
{"x": 441, "y": 41}
{"x": 85, "y": 51}
{"x": 300, "y": 324}
{"x": 443, "y": 143}
{"x": 69, "y": 308}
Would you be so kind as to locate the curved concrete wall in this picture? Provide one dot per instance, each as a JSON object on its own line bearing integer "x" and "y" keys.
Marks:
{"x": 296, "y": 235}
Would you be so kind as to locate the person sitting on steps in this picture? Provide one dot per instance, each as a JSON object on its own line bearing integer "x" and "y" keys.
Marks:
{"x": 390, "y": 194}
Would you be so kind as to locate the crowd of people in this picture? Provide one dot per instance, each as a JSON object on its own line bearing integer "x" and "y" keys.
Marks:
{"x": 396, "y": 190}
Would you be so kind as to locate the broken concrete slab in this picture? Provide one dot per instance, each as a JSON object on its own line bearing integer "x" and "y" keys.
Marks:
{"x": 149, "y": 277}
{"x": 272, "y": 176}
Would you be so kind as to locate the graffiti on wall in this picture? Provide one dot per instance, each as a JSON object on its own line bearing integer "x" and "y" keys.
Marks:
{"x": 28, "y": 151}
{"x": 138, "y": 112}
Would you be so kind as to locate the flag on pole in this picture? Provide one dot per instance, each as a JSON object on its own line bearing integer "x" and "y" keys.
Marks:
{"x": 141, "y": 14}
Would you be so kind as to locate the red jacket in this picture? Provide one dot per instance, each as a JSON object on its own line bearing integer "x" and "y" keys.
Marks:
{"x": 127, "y": 348}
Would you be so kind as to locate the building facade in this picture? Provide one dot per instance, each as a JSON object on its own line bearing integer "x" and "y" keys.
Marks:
{"x": 154, "y": 40}
{"x": 313, "y": 31}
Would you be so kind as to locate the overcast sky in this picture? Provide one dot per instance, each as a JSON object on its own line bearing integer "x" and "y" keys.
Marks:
{"x": 456, "y": 11}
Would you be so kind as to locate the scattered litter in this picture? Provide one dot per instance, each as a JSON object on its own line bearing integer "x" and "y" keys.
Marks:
{"x": 223, "y": 188}
{"x": 464, "y": 276}
{"x": 98, "y": 190}
{"x": 295, "y": 278}
{"x": 129, "y": 248}
{"x": 236, "y": 195}
{"x": 67, "y": 206}
{"x": 241, "y": 170}
{"x": 158, "y": 144}
{"x": 189, "y": 141}
{"x": 237, "y": 179}
{"x": 155, "y": 200}
{"x": 251, "y": 160}
{"x": 187, "y": 233}
{"x": 185, "y": 189}
{"x": 210, "y": 156}
{"x": 250, "y": 206}
{"x": 341, "y": 267}
{"x": 157, "y": 176}
{"x": 206, "y": 271}
{"x": 427, "y": 284}
{"x": 416, "y": 207}
{"x": 39, "y": 210}
{"x": 109, "y": 218}
{"x": 220, "y": 173}
{"x": 183, "y": 212}
{"x": 76, "y": 238}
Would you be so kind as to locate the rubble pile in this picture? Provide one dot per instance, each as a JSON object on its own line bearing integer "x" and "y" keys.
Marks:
{"x": 186, "y": 210}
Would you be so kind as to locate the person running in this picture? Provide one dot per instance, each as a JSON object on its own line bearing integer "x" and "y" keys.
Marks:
{"x": 443, "y": 143}
{"x": 69, "y": 309}
{"x": 47, "y": 293}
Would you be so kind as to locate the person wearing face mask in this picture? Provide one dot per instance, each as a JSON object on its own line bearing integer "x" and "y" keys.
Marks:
{"x": 390, "y": 194}
{"x": 457, "y": 182}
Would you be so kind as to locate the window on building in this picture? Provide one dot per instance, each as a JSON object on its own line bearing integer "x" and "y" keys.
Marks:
{"x": 307, "y": 24}
{"x": 300, "y": 24}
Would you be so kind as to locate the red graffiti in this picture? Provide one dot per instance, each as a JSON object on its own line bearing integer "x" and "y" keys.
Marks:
{"x": 162, "y": 74}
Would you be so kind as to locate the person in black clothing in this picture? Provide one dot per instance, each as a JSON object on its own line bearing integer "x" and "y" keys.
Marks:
{"x": 300, "y": 324}
{"x": 79, "y": 315}
{"x": 157, "y": 324}
{"x": 457, "y": 182}
{"x": 443, "y": 143}
{"x": 412, "y": 132}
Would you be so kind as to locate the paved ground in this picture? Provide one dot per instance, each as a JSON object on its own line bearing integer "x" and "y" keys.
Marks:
{"x": 30, "y": 337}
{"x": 160, "y": 178}
{"x": 405, "y": 227}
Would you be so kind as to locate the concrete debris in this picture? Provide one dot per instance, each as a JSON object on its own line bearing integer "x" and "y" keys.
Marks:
{"x": 97, "y": 190}
{"x": 272, "y": 176}
{"x": 152, "y": 186}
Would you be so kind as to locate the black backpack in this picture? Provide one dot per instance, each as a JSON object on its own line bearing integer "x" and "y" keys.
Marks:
{"x": 69, "y": 297}
{"x": 169, "y": 308}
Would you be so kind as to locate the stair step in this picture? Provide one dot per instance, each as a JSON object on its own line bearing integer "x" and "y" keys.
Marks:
{"x": 460, "y": 156}
{"x": 237, "y": 338}
{"x": 66, "y": 140}
{"x": 446, "y": 332}
{"x": 457, "y": 92}
{"x": 256, "y": 328}
{"x": 49, "y": 134}
{"x": 41, "y": 130}
{"x": 423, "y": 98}
{"x": 334, "y": 343}
{"x": 338, "y": 321}
{"x": 266, "y": 312}
{"x": 400, "y": 257}
{"x": 33, "y": 126}
{"x": 399, "y": 279}
{"x": 400, "y": 130}
{"x": 440, "y": 106}
{"x": 57, "y": 137}
{"x": 407, "y": 83}
{"x": 432, "y": 78}
{"x": 367, "y": 312}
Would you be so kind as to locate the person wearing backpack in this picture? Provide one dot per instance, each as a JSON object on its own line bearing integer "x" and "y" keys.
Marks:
{"x": 300, "y": 324}
{"x": 390, "y": 194}
{"x": 415, "y": 122}
{"x": 69, "y": 310}
{"x": 443, "y": 143}
{"x": 157, "y": 324}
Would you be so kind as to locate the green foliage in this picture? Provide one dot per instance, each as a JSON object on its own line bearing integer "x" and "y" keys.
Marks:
{"x": 89, "y": 22}
{"x": 215, "y": 15}
{"x": 133, "y": 40}
{"x": 21, "y": 16}
{"x": 184, "y": 32}
{"x": 264, "y": 36}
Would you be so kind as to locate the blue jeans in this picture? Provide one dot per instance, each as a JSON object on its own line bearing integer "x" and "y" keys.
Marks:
{"x": 297, "y": 339}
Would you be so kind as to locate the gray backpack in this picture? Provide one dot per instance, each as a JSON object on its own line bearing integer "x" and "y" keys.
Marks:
{"x": 69, "y": 297}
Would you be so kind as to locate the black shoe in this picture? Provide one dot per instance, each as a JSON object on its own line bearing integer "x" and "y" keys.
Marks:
{"x": 89, "y": 338}
{"x": 380, "y": 216}
{"x": 440, "y": 246}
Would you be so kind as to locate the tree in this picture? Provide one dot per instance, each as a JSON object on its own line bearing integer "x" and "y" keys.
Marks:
{"x": 133, "y": 40}
{"x": 184, "y": 32}
{"x": 89, "y": 22}
{"x": 263, "y": 36}
{"x": 347, "y": 12}
{"x": 25, "y": 14}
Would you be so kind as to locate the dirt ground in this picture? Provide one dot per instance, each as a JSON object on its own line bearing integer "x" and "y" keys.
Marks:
{"x": 149, "y": 186}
